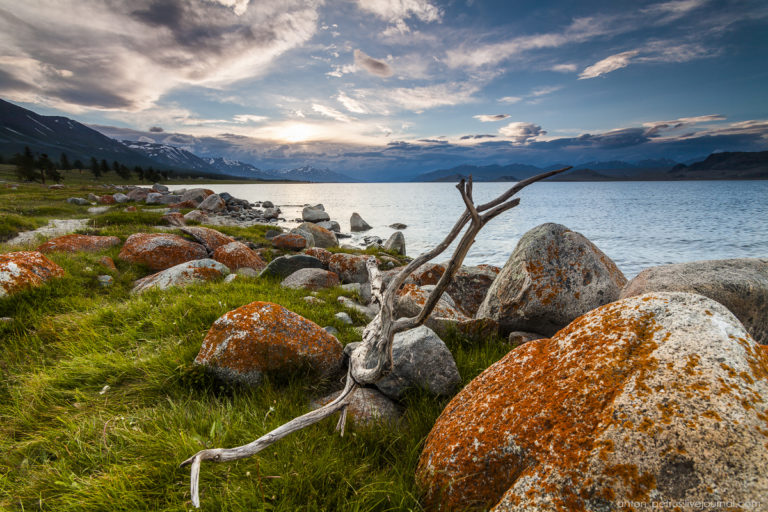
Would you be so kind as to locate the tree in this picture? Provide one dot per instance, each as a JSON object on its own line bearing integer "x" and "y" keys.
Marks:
{"x": 48, "y": 169}
{"x": 104, "y": 167}
{"x": 95, "y": 169}
{"x": 116, "y": 166}
{"x": 64, "y": 162}
{"x": 25, "y": 165}
{"x": 372, "y": 359}
{"x": 166, "y": 175}
{"x": 79, "y": 165}
{"x": 123, "y": 171}
{"x": 139, "y": 171}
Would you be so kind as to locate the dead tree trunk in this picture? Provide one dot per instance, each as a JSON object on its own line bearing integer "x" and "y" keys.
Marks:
{"x": 373, "y": 358}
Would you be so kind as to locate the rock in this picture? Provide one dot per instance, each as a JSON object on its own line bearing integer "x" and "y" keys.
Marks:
{"x": 267, "y": 204}
{"x": 78, "y": 201}
{"x": 106, "y": 199}
{"x": 420, "y": 359}
{"x": 284, "y": 266}
{"x": 289, "y": 242}
{"x": 173, "y": 219}
{"x": 311, "y": 279}
{"x": 105, "y": 281}
{"x": 350, "y": 267}
{"x": 183, "y": 204}
{"x": 322, "y": 237}
{"x": 367, "y": 407}
{"x": 92, "y": 197}
{"x": 212, "y": 203}
{"x": 314, "y": 300}
{"x": 121, "y": 198}
{"x": 363, "y": 290}
{"x": 247, "y": 271}
{"x": 329, "y": 328}
{"x": 79, "y": 243}
{"x": 396, "y": 242}
{"x": 263, "y": 337}
{"x": 323, "y": 255}
{"x": 25, "y": 269}
{"x": 272, "y": 233}
{"x": 96, "y": 210}
{"x": 470, "y": 285}
{"x": 309, "y": 214}
{"x": 160, "y": 251}
{"x": 182, "y": 275}
{"x": 210, "y": 238}
{"x": 197, "y": 195}
{"x": 108, "y": 262}
{"x": 520, "y": 337}
{"x": 373, "y": 241}
{"x": 130, "y": 209}
{"x": 411, "y": 300}
{"x": 230, "y": 278}
{"x": 138, "y": 194}
{"x": 553, "y": 276}
{"x": 429, "y": 273}
{"x": 318, "y": 207}
{"x": 157, "y": 187}
{"x": 343, "y": 317}
{"x": 195, "y": 216}
{"x": 656, "y": 397}
{"x": 398, "y": 226}
{"x": 330, "y": 225}
{"x": 271, "y": 213}
{"x": 57, "y": 186}
{"x": 357, "y": 223}
{"x": 154, "y": 198}
{"x": 368, "y": 311}
{"x": 741, "y": 285}
{"x": 237, "y": 255}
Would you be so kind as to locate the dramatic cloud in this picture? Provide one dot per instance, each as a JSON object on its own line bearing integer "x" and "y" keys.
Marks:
{"x": 486, "y": 118}
{"x": 655, "y": 128}
{"x": 608, "y": 64}
{"x": 371, "y": 65}
{"x": 520, "y": 133}
{"x": 397, "y": 11}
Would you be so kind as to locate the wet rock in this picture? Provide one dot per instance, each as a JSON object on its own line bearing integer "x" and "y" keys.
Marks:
{"x": 655, "y": 397}
{"x": 553, "y": 276}
{"x": 284, "y": 266}
{"x": 350, "y": 267}
{"x": 210, "y": 238}
{"x": 213, "y": 203}
{"x": 396, "y": 242}
{"x": 25, "y": 269}
{"x": 321, "y": 237}
{"x": 309, "y": 214}
{"x": 289, "y": 242}
{"x": 264, "y": 337}
{"x": 357, "y": 223}
{"x": 741, "y": 285}
{"x": 79, "y": 243}
{"x": 311, "y": 279}
{"x": 182, "y": 275}
{"x": 237, "y": 255}
{"x": 398, "y": 226}
{"x": 367, "y": 407}
{"x": 160, "y": 251}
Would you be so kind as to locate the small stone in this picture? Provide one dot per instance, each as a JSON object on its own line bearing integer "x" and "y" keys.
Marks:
{"x": 230, "y": 278}
{"x": 78, "y": 201}
{"x": 105, "y": 280}
{"x": 329, "y": 329}
{"x": 344, "y": 317}
{"x": 398, "y": 225}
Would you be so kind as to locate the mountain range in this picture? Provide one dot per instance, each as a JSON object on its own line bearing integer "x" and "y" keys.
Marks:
{"x": 55, "y": 135}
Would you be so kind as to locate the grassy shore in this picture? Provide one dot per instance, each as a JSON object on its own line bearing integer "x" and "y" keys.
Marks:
{"x": 100, "y": 401}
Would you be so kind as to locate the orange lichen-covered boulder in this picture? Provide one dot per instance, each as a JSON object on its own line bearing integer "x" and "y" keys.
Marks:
{"x": 79, "y": 243}
{"x": 159, "y": 251}
{"x": 350, "y": 267}
{"x": 25, "y": 269}
{"x": 656, "y": 398}
{"x": 470, "y": 285}
{"x": 237, "y": 255}
{"x": 107, "y": 199}
{"x": 210, "y": 238}
{"x": 182, "y": 274}
{"x": 289, "y": 242}
{"x": 429, "y": 273}
{"x": 173, "y": 219}
{"x": 324, "y": 255}
{"x": 264, "y": 337}
{"x": 411, "y": 299}
{"x": 553, "y": 276}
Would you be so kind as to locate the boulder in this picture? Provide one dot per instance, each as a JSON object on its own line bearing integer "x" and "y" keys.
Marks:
{"x": 411, "y": 300}
{"x": 476, "y": 330}
{"x": 121, "y": 198}
{"x": 264, "y": 337}
{"x": 196, "y": 195}
{"x": 184, "y": 204}
{"x": 78, "y": 201}
{"x": 343, "y": 317}
{"x": 212, "y": 203}
{"x": 196, "y": 216}
{"x": 173, "y": 219}
{"x": 158, "y": 198}
{"x": 420, "y": 359}
{"x": 396, "y": 242}
{"x": 289, "y": 241}
{"x": 267, "y": 204}
{"x": 516, "y": 338}
{"x": 367, "y": 406}
{"x": 470, "y": 285}
{"x": 350, "y": 267}
{"x": 321, "y": 237}
{"x": 182, "y": 274}
{"x": 138, "y": 194}
{"x": 368, "y": 311}
{"x": 157, "y": 187}
{"x": 741, "y": 285}
{"x": 309, "y": 214}
{"x": 429, "y": 273}
{"x": 108, "y": 263}
{"x": 363, "y": 290}
{"x": 284, "y": 266}
{"x": 356, "y": 223}
{"x": 210, "y": 238}
{"x": 107, "y": 199}
{"x": 553, "y": 276}
{"x": 25, "y": 269}
{"x": 160, "y": 251}
{"x": 79, "y": 243}
{"x": 271, "y": 213}
{"x": 330, "y": 225}
{"x": 652, "y": 399}
{"x": 323, "y": 255}
{"x": 311, "y": 279}
{"x": 237, "y": 255}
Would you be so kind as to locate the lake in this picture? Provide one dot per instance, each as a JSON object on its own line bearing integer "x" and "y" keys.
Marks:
{"x": 637, "y": 224}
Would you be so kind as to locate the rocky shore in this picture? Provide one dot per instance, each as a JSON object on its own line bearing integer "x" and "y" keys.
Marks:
{"x": 612, "y": 391}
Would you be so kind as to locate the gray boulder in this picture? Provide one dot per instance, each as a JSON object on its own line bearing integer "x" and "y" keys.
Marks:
{"x": 309, "y": 214}
{"x": 311, "y": 279}
{"x": 350, "y": 267}
{"x": 78, "y": 201}
{"x": 741, "y": 285}
{"x": 154, "y": 198}
{"x": 138, "y": 194}
{"x": 330, "y": 225}
{"x": 157, "y": 187}
{"x": 320, "y": 236}
{"x": 362, "y": 289}
{"x": 195, "y": 271}
{"x": 343, "y": 317}
{"x": 396, "y": 242}
{"x": 271, "y": 213}
{"x": 267, "y": 204}
{"x": 367, "y": 407}
{"x": 369, "y": 311}
{"x": 284, "y": 266}
{"x": 212, "y": 203}
{"x": 121, "y": 198}
{"x": 196, "y": 195}
{"x": 553, "y": 276}
{"x": 356, "y": 223}
{"x": 420, "y": 359}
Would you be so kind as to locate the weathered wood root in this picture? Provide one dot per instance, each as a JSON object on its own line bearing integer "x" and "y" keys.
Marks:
{"x": 372, "y": 359}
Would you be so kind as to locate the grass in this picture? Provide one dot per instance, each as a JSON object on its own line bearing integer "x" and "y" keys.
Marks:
{"x": 100, "y": 401}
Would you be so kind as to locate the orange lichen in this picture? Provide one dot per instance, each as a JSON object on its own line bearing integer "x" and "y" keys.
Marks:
{"x": 237, "y": 255}
{"x": 25, "y": 269}
{"x": 210, "y": 238}
{"x": 324, "y": 255}
{"x": 289, "y": 241}
{"x": 78, "y": 243}
{"x": 160, "y": 251}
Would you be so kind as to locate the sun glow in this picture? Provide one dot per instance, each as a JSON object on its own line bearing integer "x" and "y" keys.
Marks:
{"x": 296, "y": 132}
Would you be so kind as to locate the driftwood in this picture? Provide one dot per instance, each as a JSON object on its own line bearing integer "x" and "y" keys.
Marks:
{"x": 372, "y": 359}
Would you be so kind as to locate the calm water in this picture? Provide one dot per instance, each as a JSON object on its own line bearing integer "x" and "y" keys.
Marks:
{"x": 637, "y": 224}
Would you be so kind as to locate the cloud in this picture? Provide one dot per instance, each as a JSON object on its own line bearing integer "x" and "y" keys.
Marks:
{"x": 332, "y": 113}
{"x": 489, "y": 118}
{"x": 351, "y": 104}
{"x": 77, "y": 54}
{"x": 418, "y": 99}
{"x": 671, "y": 11}
{"x": 564, "y": 68}
{"x": 608, "y": 64}
{"x": 156, "y": 129}
{"x": 543, "y": 91}
{"x": 520, "y": 133}
{"x": 371, "y": 65}
{"x": 510, "y": 99}
{"x": 249, "y": 118}
{"x": 655, "y": 128}
{"x": 396, "y": 11}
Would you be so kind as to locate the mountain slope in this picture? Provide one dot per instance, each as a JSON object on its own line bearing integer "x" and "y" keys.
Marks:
{"x": 482, "y": 173}
{"x": 313, "y": 174}
{"x": 725, "y": 165}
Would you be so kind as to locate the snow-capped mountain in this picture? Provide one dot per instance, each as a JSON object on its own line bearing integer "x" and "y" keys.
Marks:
{"x": 309, "y": 173}
{"x": 170, "y": 156}
{"x": 238, "y": 168}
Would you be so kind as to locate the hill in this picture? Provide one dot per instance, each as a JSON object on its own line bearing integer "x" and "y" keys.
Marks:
{"x": 726, "y": 165}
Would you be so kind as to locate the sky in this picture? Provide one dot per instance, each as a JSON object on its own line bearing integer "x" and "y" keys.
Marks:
{"x": 389, "y": 87}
